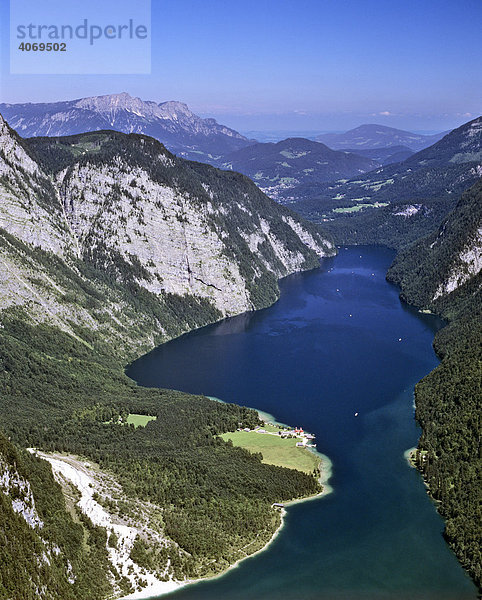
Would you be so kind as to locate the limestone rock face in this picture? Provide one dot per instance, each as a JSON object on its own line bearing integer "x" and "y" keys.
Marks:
{"x": 29, "y": 208}
{"x": 465, "y": 265}
{"x": 156, "y": 226}
{"x": 18, "y": 490}
{"x": 140, "y": 219}
{"x": 173, "y": 236}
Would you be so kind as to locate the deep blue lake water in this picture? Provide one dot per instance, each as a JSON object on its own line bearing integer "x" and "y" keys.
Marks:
{"x": 339, "y": 341}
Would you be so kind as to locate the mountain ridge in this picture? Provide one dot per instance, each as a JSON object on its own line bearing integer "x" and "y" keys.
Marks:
{"x": 402, "y": 201}
{"x": 172, "y": 122}
{"x": 176, "y": 232}
{"x": 278, "y": 168}
{"x": 384, "y": 156}
{"x": 372, "y": 136}
{"x": 442, "y": 273}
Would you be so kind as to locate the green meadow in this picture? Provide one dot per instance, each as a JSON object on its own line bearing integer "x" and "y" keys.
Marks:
{"x": 139, "y": 420}
{"x": 275, "y": 450}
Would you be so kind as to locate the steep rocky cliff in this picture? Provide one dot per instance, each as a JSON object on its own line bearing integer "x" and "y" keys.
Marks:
{"x": 30, "y": 208}
{"x": 94, "y": 225}
{"x": 109, "y": 245}
{"x": 444, "y": 268}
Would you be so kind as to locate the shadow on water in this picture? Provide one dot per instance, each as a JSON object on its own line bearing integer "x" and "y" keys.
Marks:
{"x": 338, "y": 342}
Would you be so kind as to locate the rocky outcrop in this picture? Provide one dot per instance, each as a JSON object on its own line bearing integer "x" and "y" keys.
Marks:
{"x": 443, "y": 269}
{"x": 465, "y": 266}
{"x": 141, "y": 219}
{"x": 29, "y": 208}
{"x": 19, "y": 492}
{"x": 173, "y": 237}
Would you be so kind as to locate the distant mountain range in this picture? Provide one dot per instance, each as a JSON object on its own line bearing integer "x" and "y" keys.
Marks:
{"x": 290, "y": 171}
{"x": 279, "y": 168}
{"x": 399, "y": 202}
{"x": 183, "y": 132}
{"x": 172, "y": 123}
{"x": 378, "y": 136}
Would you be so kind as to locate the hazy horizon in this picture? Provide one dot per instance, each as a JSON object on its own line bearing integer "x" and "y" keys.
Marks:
{"x": 295, "y": 66}
{"x": 268, "y": 125}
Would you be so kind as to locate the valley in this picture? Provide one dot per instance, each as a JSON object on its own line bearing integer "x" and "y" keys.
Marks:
{"x": 102, "y": 259}
{"x": 109, "y": 246}
{"x": 240, "y": 300}
{"x": 306, "y": 360}
{"x": 405, "y": 201}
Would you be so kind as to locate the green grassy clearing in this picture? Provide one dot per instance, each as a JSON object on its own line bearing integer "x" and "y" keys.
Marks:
{"x": 275, "y": 451}
{"x": 139, "y": 420}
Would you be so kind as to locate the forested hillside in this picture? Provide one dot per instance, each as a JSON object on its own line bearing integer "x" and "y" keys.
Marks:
{"x": 442, "y": 273}
{"x": 213, "y": 499}
{"x": 399, "y": 203}
{"x": 109, "y": 245}
{"x": 279, "y": 169}
{"x": 45, "y": 551}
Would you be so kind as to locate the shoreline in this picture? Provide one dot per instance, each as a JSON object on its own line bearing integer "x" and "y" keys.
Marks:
{"x": 325, "y": 475}
{"x": 177, "y": 585}
{"x": 79, "y": 473}
{"x": 326, "y": 472}
{"x": 408, "y": 455}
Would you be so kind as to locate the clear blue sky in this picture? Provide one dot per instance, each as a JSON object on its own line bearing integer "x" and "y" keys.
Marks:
{"x": 304, "y": 64}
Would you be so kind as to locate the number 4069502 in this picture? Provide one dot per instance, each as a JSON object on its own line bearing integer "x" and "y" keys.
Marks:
{"x": 43, "y": 47}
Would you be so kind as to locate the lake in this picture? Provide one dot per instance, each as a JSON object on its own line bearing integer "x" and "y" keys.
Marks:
{"x": 338, "y": 342}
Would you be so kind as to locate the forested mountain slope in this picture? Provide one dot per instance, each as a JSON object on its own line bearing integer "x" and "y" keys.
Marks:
{"x": 442, "y": 273}
{"x": 278, "y": 169}
{"x": 175, "y": 226}
{"x": 384, "y": 156}
{"x": 399, "y": 203}
{"x": 208, "y": 502}
{"x": 44, "y": 551}
{"x": 109, "y": 245}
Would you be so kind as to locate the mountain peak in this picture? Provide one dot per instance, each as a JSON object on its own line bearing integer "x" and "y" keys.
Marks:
{"x": 115, "y": 102}
{"x": 174, "y": 110}
{"x": 172, "y": 123}
{"x": 375, "y": 126}
{"x": 175, "y": 105}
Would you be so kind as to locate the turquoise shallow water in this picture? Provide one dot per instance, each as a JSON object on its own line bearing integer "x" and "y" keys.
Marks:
{"x": 338, "y": 342}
